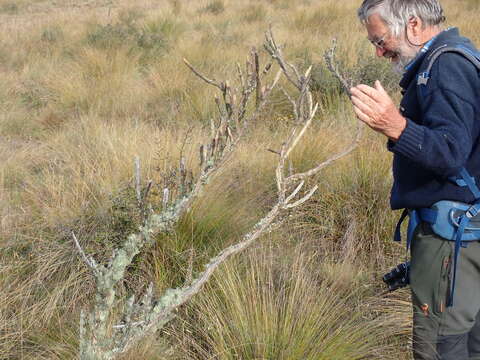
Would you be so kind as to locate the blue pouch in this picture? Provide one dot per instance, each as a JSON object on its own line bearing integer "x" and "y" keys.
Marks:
{"x": 448, "y": 218}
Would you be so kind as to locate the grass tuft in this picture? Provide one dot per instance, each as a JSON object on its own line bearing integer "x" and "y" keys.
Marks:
{"x": 214, "y": 7}
{"x": 268, "y": 306}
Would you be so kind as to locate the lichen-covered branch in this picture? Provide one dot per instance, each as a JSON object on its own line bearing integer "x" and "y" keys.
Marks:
{"x": 99, "y": 340}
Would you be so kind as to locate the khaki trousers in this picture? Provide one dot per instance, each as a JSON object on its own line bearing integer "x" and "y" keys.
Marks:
{"x": 440, "y": 332}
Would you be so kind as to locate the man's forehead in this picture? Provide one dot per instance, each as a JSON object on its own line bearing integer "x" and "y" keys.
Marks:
{"x": 375, "y": 26}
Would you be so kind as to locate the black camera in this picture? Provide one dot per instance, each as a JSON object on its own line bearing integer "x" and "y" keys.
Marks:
{"x": 399, "y": 277}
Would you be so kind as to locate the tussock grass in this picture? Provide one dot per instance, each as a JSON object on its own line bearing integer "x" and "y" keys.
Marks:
{"x": 214, "y": 7}
{"x": 271, "y": 304}
{"x": 362, "y": 187}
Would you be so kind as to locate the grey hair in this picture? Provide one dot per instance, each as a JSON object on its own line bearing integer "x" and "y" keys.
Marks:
{"x": 397, "y": 13}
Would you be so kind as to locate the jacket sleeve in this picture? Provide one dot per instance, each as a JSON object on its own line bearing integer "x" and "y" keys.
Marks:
{"x": 443, "y": 141}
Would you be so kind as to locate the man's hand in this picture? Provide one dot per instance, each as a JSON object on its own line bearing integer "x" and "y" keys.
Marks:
{"x": 375, "y": 108}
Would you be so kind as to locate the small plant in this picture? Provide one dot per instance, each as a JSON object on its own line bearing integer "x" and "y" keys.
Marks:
{"x": 52, "y": 34}
{"x": 214, "y": 7}
{"x": 369, "y": 69}
{"x": 254, "y": 13}
{"x": 9, "y": 8}
{"x": 111, "y": 36}
{"x": 149, "y": 40}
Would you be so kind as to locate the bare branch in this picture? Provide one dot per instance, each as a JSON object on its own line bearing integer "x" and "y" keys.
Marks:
{"x": 90, "y": 262}
{"x": 276, "y": 53}
{"x": 290, "y": 99}
{"x": 332, "y": 65}
{"x": 146, "y": 192}
{"x": 274, "y": 151}
{"x": 165, "y": 199}
{"x": 258, "y": 83}
{"x": 295, "y": 192}
{"x": 138, "y": 181}
{"x": 204, "y": 78}
{"x": 302, "y": 131}
{"x": 303, "y": 199}
{"x": 162, "y": 312}
{"x": 330, "y": 160}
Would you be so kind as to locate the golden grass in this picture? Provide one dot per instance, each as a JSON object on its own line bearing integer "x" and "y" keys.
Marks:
{"x": 89, "y": 85}
{"x": 270, "y": 305}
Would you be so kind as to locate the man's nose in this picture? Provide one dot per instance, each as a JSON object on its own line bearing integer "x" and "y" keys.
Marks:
{"x": 379, "y": 51}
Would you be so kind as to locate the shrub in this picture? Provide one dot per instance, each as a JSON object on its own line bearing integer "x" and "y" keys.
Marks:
{"x": 9, "y": 8}
{"x": 150, "y": 40}
{"x": 52, "y": 34}
{"x": 214, "y": 7}
{"x": 369, "y": 69}
{"x": 254, "y": 13}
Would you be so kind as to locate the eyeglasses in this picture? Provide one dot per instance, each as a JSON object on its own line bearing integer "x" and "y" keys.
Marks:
{"x": 379, "y": 43}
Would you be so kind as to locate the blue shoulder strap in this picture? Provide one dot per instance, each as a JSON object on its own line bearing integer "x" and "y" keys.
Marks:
{"x": 473, "y": 57}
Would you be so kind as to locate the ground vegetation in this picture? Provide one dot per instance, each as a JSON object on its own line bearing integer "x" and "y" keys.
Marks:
{"x": 88, "y": 86}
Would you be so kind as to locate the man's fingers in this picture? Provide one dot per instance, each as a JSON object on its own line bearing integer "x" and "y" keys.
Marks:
{"x": 365, "y": 108}
{"x": 379, "y": 87}
{"x": 369, "y": 91}
{"x": 367, "y": 100}
{"x": 361, "y": 115}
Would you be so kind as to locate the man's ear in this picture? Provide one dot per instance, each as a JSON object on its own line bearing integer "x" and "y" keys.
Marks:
{"x": 415, "y": 25}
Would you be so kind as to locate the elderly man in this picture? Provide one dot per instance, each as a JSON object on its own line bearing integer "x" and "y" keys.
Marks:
{"x": 435, "y": 141}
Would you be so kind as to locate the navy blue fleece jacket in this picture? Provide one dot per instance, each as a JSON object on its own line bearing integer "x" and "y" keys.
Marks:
{"x": 443, "y": 127}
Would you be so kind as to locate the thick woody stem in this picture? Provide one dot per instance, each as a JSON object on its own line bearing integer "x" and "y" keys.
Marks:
{"x": 165, "y": 306}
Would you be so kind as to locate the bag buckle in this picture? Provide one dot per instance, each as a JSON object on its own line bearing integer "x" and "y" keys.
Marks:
{"x": 472, "y": 211}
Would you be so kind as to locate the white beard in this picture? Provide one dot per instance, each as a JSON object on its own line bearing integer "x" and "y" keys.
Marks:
{"x": 406, "y": 54}
{"x": 399, "y": 66}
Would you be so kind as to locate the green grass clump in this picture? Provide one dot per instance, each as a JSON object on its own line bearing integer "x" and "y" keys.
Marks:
{"x": 118, "y": 35}
{"x": 254, "y": 13}
{"x": 150, "y": 39}
{"x": 368, "y": 69}
{"x": 273, "y": 305}
{"x": 9, "y": 7}
{"x": 52, "y": 34}
{"x": 215, "y": 7}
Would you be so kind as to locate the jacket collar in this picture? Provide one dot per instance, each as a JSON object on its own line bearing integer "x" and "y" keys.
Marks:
{"x": 413, "y": 67}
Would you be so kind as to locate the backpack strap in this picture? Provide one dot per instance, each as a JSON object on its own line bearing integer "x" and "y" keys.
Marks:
{"x": 474, "y": 58}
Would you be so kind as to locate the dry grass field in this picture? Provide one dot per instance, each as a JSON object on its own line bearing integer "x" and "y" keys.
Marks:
{"x": 87, "y": 85}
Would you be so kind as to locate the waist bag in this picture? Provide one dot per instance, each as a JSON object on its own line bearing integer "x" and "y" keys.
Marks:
{"x": 454, "y": 221}
{"x": 447, "y": 219}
